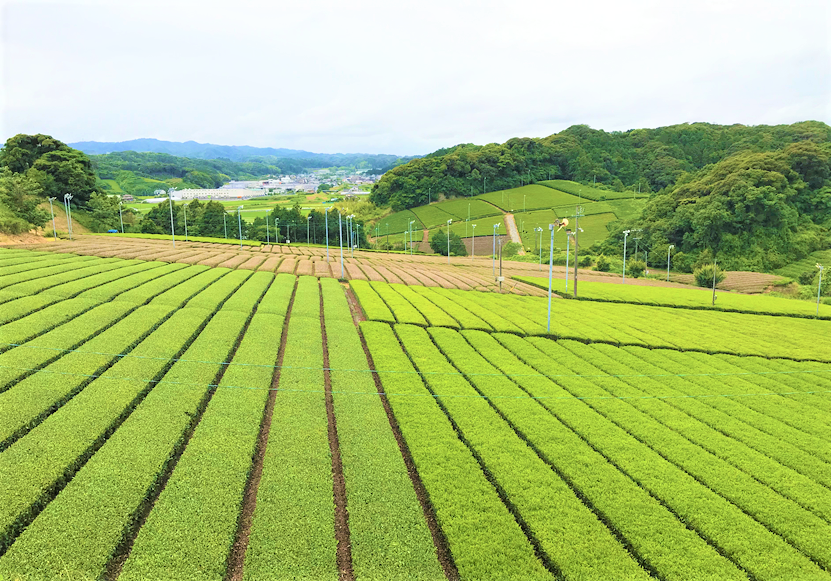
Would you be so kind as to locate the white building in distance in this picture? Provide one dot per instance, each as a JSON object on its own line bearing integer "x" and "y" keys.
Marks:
{"x": 216, "y": 194}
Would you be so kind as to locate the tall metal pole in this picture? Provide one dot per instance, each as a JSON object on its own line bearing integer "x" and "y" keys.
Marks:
{"x": 308, "y": 221}
{"x": 358, "y": 236}
{"x": 239, "y": 221}
{"x": 576, "y": 248}
{"x": 715, "y": 270}
{"x": 448, "y": 244}
{"x": 225, "y": 223}
{"x": 119, "y": 216}
{"x": 172, "y": 231}
{"x": 493, "y": 256}
{"x": 51, "y": 211}
{"x": 185, "y": 208}
{"x": 67, "y": 198}
{"x": 550, "y": 272}
{"x": 326, "y": 217}
{"x": 625, "y": 235}
{"x": 669, "y": 249}
{"x": 473, "y": 243}
{"x": 568, "y": 254}
{"x": 340, "y": 238}
{"x": 267, "y": 237}
{"x": 539, "y": 245}
{"x": 819, "y": 286}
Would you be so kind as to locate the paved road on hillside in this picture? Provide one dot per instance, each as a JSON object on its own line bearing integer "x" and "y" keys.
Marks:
{"x": 513, "y": 231}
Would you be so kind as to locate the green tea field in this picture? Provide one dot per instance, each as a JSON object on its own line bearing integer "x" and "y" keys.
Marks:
{"x": 162, "y": 420}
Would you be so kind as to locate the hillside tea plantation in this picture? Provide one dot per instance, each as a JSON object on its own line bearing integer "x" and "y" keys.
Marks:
{"x": 161, "y": 420}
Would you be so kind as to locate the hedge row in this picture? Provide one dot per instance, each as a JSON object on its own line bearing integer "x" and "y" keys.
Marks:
{"x": 48, "y": 456}
{"x": 567, "y": 532}
{"x": 653, "y": 533}
{"x": 788, "y": 445}
{"x": 81, "y": 529}
{"x": 799, "y": 526}
{"x": 434, "y": 315}
{"x": 400, "y": 307}
{"x": 193, "y": 524}
{"x": 741, "y": 538}
{"x": 292, "y": 532}
{"x": 388, "y": 535}
{"x": 707, "y": 434}
{"x": 466, "y": 319}
{"x": 372, "y": 304}
{"x": 485, "y": 540}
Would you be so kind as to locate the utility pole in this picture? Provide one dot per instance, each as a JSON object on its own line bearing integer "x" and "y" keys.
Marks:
{"x": 671, "y": 246}
{"x": 577, "y": 215}
{"x": 819, "y": 286}
{"x": 473, "y": 243}
{"x": 715, "y": 270}
{"x": 501, "y": 278}
{"x": 239, "y": 219}
{"x": 120, "y": 219}
{"x": 340, "y": 239}
{"x": 51, "y": 211}
{"x": 172, "y": 230}
{"x": 625, "y": 235}
{"x": 326, "y": 216}
{"x": 448, "y": 245}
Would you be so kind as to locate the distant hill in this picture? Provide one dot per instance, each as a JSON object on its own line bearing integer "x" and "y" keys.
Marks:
{"x": 196, "y": 150}
{"x": 752, "y": 197}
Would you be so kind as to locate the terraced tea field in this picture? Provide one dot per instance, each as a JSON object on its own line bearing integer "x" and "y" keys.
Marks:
{"x": 168, "y": 420}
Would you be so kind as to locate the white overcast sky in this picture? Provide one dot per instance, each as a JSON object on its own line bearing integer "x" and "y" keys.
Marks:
{"x": 386, "y": 76}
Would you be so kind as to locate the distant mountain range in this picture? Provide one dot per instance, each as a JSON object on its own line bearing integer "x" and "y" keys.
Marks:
{"x": 196, "y": 150}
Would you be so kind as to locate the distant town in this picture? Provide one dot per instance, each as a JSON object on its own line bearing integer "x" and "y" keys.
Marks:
{"x": 283, "y": 184}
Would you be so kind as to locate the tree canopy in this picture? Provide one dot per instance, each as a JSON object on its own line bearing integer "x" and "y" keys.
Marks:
{"x": 55, "y": 166}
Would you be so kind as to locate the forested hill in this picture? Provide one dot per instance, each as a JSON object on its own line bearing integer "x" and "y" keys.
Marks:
{"x": 650, "y": 158}
{"x": 291, "y": 160}
{"x": 756, "y": 197}
{"x": 134, "y": 173}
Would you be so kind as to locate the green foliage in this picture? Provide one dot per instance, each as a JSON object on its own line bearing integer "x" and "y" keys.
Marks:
{"x": 387, "y": 530}
{"x": 587, "y": 192}
{"x": 432, "y": 216}
{"x": 496, "y": 546}
{"x": 655, "y": 158}
{"x": 21, "y": 195}
{"x": 141, "y": 173}
{"x": 133, "y": 459}
{"x": 511, "y": 249}
{"x": 194, "y": 521}
{"x": 603, "y": 264}
{"x": 704, "y": 275}
{"x": 438, "y": 242}
{"x": 635, "y": 267}
{"x": 753, "y": 210}
{"x": 373, "y": 305}
{"x": 692, "y": 298}
{"x": 296, "y": 483}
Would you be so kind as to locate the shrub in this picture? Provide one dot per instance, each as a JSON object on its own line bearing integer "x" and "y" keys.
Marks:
{"x": 603, "y": 264}
{"x": 438, "y": 242}
{"x": 636, "y": 268}
{"x": 682, "y": 262}
{"x": 509, "y": 249}
{"x": 807, "y": 277}
{"x": 704, "y": 275}
{"x": 586, "y": 261}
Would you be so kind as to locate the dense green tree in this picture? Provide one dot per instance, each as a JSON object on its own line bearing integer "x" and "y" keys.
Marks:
{"x": 22, "y": 195}
{"x": 438, "y": 242}
{"x": 212, "y": 220}
{"x": 57, "y": 167}
{"x": 103, "y": 210}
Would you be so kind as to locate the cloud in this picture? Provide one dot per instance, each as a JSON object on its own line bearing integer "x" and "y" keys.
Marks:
{"x": 404, "y": 77}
